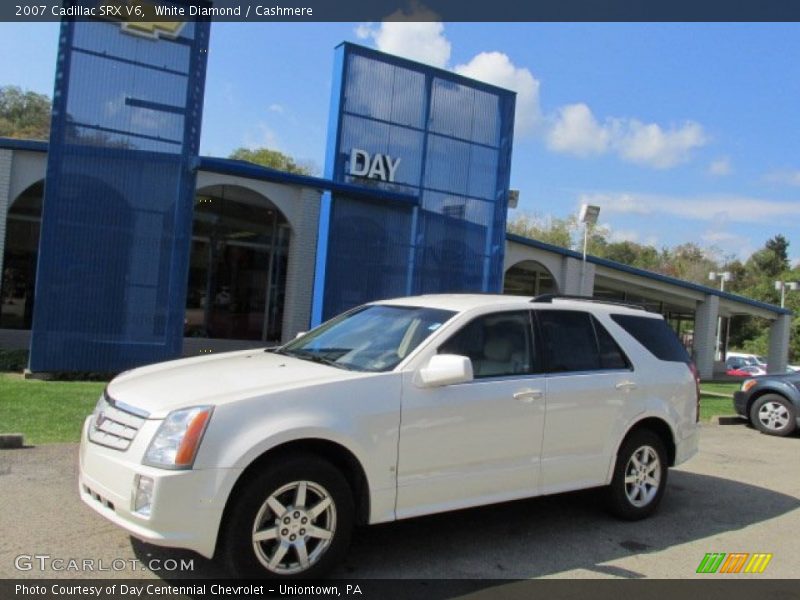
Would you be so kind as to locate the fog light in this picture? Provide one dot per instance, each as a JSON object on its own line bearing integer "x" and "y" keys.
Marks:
{"x": 142, "y": 495}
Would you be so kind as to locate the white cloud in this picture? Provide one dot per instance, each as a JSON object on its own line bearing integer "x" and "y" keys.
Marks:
{"x": 785, "y": 177}
{"x": 426, "y": 42}
{"x": 497, "y": 69}
{"x": 421, "y": 41}
{"x": 624, "y": 235}
{"x": 577, "y": 132}
{"x": 574, "y": 129}
{"x": 276, "y": 108}
{"x": 719, "y": 208}
{"x": 262, "y": 136}
{"x": 364, "y": 30}
{"x": 650, "y": 145}
{"x": 720, "y": 167}
{"x": 715, "y": 236}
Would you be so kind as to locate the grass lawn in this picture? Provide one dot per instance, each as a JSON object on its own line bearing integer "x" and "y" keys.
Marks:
{"x": 711, "y": 406}
{"x": 721, "y": 388}
{"x": 46, "y": 411}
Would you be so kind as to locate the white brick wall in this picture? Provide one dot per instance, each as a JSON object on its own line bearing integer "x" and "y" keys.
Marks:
{"x": 779, "y": 344}
{"x": 300, "y": 270}
{"x": 6, "y": 157}
{"x": 705, "y": 335}
{"x": 571, "y": 277}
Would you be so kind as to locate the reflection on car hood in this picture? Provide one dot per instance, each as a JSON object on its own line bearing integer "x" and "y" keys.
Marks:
{"x": 216, "y": 379}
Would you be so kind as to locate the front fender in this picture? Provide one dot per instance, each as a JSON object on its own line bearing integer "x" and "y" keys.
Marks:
{"x": 362, "y": 416}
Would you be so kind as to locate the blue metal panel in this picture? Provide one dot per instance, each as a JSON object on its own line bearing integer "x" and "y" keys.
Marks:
{"x": 453, "y": 138}
{"x": 119, "y": 194}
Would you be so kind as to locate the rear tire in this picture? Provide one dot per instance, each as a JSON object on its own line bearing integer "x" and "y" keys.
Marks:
{"x": 640, "y": 476}
{"x": 293, "y": 520}
{"x": 774, "y": 415}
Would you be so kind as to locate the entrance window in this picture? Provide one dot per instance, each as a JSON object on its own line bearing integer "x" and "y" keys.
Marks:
{"x": 19, "y": 259}
{"x": 529, "y": 278}
{"x": 237, "y": 273}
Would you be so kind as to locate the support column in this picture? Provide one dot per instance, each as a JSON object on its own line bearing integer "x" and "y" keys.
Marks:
{"x": 300, "y": 270}
{"x": 705, "y": 336}
{"x": 778, "y": 355}
{"x": 5, "y": 201}
{"x": 572, "y": 281}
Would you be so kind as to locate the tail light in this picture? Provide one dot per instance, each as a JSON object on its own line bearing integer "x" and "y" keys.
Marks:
{"x": 696, "y": 376}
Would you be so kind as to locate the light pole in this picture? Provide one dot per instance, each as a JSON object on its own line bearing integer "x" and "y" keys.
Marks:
{"x": 782, "y": 286}
{"x": 588, "y": 216}
{"x": 723, "y": 277}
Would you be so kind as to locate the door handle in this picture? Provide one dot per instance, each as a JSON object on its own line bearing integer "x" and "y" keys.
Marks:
{"x": 626, "y": 385}
{"x": 528, "y": 395}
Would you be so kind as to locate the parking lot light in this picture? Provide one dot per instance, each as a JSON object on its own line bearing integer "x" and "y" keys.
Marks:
{"x": 782, "y": 286}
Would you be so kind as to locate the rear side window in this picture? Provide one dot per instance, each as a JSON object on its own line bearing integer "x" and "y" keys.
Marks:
{"x": 655, "y": 335}
{"x": 576, "y": 341}
{"x": 611, "y": 355}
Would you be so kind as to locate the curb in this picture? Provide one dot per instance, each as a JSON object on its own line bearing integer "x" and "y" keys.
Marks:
{"x": 11, "y": 440}
{"x": 728, "y": 420}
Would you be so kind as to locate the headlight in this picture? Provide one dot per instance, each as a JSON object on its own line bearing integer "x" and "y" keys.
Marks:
{"x": 177, "y": 440}
{"x": 748, "y": 383}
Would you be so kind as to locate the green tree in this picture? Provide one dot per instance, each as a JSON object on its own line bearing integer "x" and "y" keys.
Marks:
{"x": 779, "y": 246}
{"x": 272, "y": 159}
{"x": 565, "y": 233}
{"x": 24, "y": 114}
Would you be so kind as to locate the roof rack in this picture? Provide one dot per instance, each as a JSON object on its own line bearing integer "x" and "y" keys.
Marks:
{"x": 548, "y": 299}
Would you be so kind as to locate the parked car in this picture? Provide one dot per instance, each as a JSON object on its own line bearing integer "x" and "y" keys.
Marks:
{"x": 746, "y": 371}
{"x": 269, "y": 458}
{"x": 771, "y": 403}
{"x": 737, "y": 359}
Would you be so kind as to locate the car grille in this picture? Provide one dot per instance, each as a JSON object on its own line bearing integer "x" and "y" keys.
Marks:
{"x": 114, "y": 426}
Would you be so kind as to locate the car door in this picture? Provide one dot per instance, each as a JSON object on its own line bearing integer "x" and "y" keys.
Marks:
{"x": 591, "y": 389}
{"x": 477, "y": 442}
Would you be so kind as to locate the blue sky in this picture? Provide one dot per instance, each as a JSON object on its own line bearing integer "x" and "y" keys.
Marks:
{"x": 681, "y": 133}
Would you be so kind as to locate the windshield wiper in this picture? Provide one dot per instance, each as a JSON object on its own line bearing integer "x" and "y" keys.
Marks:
{"x": 317, "y": 358}
{"x": 325, "y": 361}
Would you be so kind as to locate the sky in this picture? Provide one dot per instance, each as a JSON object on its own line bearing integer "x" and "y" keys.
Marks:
{"x": 679, "y": 132}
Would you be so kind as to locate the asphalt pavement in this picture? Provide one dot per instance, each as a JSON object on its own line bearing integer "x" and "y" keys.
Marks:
{"x": 741, "y": 493}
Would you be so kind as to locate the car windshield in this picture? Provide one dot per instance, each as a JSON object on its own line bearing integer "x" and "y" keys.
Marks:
{"x": 369, "y": 338}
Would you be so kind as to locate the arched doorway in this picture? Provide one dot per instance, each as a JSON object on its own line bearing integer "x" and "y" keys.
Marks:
{"x": 20, "y": 257}
{"x": 237, "y": 273}
{"x": 529, "y": 278}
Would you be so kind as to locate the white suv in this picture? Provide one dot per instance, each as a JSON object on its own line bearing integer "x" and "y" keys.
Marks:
{"x": 392, "y": 410}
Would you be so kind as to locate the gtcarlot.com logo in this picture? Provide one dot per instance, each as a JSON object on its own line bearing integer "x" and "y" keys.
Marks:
{"x": 735, "y": 562}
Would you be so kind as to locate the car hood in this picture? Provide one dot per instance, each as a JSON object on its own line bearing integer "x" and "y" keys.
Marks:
{"x": 216, "y": 379}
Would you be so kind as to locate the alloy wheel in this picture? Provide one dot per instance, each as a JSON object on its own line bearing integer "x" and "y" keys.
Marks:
{"x": 642, "y": 476}
{"x": 294, "y": 527}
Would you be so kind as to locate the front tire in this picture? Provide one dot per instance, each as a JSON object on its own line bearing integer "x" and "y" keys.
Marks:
{"x": 774, "y": 415}
{"x": 640, "y": 476}
{"x": 292, "y": 520}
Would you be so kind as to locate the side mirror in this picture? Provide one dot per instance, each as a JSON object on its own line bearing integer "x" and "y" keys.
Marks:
{"x": 446, "y": 369}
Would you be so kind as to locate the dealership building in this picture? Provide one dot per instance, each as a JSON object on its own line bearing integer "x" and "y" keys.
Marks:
{"x": 121, "y": 246}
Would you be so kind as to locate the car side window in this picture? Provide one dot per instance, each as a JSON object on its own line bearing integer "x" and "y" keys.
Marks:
{"x": 611, "y": 355}
{"x": 576, "y": 341}
{"x": 498, "y": 344}
{"x": 569, "y": 341}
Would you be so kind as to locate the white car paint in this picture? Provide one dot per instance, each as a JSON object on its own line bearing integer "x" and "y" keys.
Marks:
{"x": 422, "y": 449}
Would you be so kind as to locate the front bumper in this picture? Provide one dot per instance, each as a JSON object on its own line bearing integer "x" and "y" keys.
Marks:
{"x": 740, "y": 403}
{"x": 187, "y": 505}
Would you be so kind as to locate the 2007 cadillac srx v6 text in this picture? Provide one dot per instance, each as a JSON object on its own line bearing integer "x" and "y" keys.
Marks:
{"x": 268, "y": 458}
